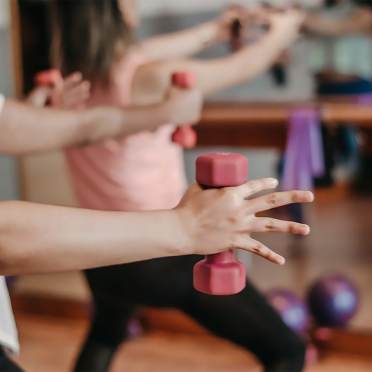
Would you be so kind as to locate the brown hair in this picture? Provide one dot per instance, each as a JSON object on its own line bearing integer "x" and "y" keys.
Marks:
{"x": 90, "y": 35}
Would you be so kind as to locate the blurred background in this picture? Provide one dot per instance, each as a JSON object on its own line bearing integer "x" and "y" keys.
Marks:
{"x": 52, "y": 310}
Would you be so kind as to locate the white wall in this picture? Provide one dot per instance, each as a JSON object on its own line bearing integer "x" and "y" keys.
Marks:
{"x": 153, "y": 7}
{"x": 4, "y": 13}
{"x": 8, "y": 166}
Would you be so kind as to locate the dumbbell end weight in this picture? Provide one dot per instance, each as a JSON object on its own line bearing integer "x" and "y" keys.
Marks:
{"x": 219, "y": 274}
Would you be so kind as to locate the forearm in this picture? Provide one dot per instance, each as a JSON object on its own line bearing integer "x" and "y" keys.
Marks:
{"x": 218, "y": 74}
{"x": 181, "y": 43}
{"x": 34, "y": 129}
{"x": 360, "y": 21}
{"x": 245, "y": 64}
{"x": 37, "y": 238}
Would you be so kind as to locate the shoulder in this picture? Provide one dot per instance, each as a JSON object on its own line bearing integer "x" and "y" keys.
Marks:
{"x": 149, "y": 82}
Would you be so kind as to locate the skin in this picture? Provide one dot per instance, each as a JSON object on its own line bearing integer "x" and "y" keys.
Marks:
{"x": 35, "y": 238}
{"x": 30, "y": 129}
{"x": 360, "y": 21}
{"x": 39, "y": 238}
{"x": 171, "y": 52}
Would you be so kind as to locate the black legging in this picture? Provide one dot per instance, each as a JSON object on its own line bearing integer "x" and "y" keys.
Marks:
{"x": 6, "y": 364}
{"x": 246, "y": 318}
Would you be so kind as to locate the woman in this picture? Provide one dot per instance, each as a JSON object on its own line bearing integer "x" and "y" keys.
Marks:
{"x": 117, "y": 175}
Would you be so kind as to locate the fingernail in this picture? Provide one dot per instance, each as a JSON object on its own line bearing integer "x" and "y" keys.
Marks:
{"x": 310, "y": 195}
{"x": 273, "y": 181}
{"x": 281, "y": 260}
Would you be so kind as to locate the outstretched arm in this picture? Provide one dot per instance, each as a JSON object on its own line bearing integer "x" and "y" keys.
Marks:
{"x": 192, "y": 40}
{"x": 39, "y": 238}
{"x": 25, "y": 128}
{"x": 358, "y": 22}
{"x": 213, "y": 75}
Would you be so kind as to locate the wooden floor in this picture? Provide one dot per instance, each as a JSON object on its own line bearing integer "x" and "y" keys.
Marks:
{"x": 50, "y": 344}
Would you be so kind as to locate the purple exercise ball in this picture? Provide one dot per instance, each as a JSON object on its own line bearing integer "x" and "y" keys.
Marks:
{"x": 333, "y": 301}
{"x": 291, "y": 309}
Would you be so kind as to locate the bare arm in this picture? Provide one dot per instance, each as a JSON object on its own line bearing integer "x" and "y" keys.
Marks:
{"x": 25, "y": 128}
{"x": 39, "y": 238}
{"x": 358, "y": 22}
{"x": 193, "y": 40}
{"x": 213, "y": 75}
{"x": 181, "y": 43}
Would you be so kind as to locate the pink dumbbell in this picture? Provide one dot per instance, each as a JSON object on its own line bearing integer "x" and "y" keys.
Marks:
{"x": 48, "y": 77}
{"x": 221, "y": 273}
{"x": 184, "y": 136}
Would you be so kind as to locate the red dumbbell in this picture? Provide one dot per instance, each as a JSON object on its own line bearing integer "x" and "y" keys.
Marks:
{"x": 221, "y": 273}
{"x": 184, "y": 136}
{"x": 48, "y": 77}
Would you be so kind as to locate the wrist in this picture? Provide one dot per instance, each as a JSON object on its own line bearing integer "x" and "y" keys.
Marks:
{"x": 165, "y": 112}
{"x": 183, "y": 227}
{"x": 209, "y": 33}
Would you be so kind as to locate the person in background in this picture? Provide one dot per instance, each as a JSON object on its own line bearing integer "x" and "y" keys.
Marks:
{"x": 128, "y": 174}
{"x": 346, "y": 76}
{"x": 359, "y": 21}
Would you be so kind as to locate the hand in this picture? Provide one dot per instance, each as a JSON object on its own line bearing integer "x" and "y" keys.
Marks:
{"x": 39, "y": 96}
{"x": 229, "y": 16}
{"x": 286, "y": 25}
{"x": 71, "y": 93}
{"x": 183, "y": 105}
{"x": 216, "y": 220}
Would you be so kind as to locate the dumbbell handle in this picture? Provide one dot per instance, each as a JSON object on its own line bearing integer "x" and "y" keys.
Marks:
{"x": 184, "y": 135}
{"x": 222, "y": 257}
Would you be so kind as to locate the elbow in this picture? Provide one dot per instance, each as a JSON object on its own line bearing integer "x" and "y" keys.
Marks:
{"x": 6, "y": 263}
{"x": 8, "y": 247}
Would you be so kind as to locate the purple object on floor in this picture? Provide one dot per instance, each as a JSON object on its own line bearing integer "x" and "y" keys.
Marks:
{"x": 134, "y": 328}
{"x": 364, "y": 99}
{"x": 291, "y": 309}
{"x": 333, "y": 301}
{"x": 304, "y": 157}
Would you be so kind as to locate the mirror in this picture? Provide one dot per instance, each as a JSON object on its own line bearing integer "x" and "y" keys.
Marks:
{"x": 253, "y": 119}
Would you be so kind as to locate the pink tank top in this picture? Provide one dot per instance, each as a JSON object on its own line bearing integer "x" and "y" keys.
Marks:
{"x": 140, "y": 172}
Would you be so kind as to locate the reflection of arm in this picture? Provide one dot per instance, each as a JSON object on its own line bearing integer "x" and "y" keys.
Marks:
{"x": 180, "y": 44}
{"x": 212, "y": 75}
{"x": 360, "y": 21}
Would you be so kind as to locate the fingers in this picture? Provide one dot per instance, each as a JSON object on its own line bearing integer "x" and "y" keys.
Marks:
{"x": 73, "y": 79}
{"x": 264, "y": 224}
{"x": 75, "y": 91}
{"x": 77, "y": 94}
{"x": 278, "y": 199}
{"x": 251, "y": 245}
{"x": 39, "y": 96}
{"x": 253, "y": 187}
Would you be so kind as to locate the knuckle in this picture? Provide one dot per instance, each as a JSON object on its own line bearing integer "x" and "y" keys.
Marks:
{"x": 256, "y": 248}
{"x": 292, "y": 227}
{"x": 231, "y": 196}
{"x": 295, "y": 196}
{"x": 270, "y": 224}
{"x": 272, "y": 199}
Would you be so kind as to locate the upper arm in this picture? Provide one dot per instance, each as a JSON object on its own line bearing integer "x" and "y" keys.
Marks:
{"x": 152, "y": 80}
{"x": 359, "y": 21}
{"x": 25, "y": 128}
